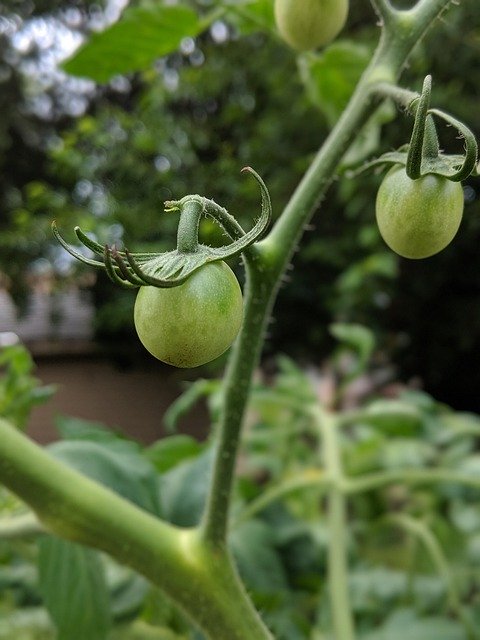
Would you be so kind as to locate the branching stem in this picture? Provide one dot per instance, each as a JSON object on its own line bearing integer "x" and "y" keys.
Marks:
{"x": 268, "y": 260}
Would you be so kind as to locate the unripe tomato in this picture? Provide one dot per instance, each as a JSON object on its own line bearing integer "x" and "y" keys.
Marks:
{"x": 308, "y": 24}
{"x": 418, "y": 218}
{"x": 193, "y": 323}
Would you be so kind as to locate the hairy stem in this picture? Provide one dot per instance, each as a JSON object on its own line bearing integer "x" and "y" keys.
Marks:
{"x": 259, "y": 294}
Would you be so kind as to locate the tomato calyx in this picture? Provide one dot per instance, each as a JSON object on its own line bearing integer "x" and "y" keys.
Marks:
{"x": 422, "y": 156}
{"x": 171, "y": 269}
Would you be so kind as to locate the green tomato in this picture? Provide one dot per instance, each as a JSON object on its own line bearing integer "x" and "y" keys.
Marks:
{"x": 308, "y": 24}
{"x": 418, "y": 218}
{"x": 193, "y": 323}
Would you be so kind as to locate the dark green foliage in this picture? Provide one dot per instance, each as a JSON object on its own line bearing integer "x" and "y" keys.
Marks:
{"x": 280, "y": 533}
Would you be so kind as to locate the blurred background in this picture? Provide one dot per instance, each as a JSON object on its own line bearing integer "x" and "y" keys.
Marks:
{"x": 106, "y": 155}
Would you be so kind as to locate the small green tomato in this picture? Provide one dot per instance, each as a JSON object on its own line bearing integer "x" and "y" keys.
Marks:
{"x": 193, "y": 323}
{"x": 418, "y": 218}
{"x": 309, "y": 24}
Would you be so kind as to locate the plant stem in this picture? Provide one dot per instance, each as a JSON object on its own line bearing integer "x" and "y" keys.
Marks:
{"x": 259, "y": 294}
{"x": 267, "y": 261}
{"x": 200, "y": 579}
{"x": 373, "y": 481}
{"x": 187, "y": 234}
{"x": 343, "y": 625}
{"x": 307, "y": 479}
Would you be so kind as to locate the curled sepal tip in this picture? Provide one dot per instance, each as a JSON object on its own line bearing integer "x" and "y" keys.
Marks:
{"x": 170, "y": 269}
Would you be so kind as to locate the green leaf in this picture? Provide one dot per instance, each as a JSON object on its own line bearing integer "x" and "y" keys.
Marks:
{"x": 331, "y": 77}
{"x": 402, "y": 453}
{"x": 127, "y": 473}
{"x": 184, "y": 490}
{"x": 168, "y": 452}
{"x": 357, "y": 338}
{"x": 134, "y": 42}
{"x": 252, "y": 15}
{"x": 74, "y": 590}
{"x": 71, "y": 428}
{"x": 393, "y": 416}
{"x": 185, "y": 403}
{"x": 258, "y": 561}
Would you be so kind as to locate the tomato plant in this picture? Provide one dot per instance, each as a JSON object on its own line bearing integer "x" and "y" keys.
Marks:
{"x": 189, "y": 310}
{"x": 191, "y": 324}
{"x": 418, "y": 218}
{"x": 308, "y": 24}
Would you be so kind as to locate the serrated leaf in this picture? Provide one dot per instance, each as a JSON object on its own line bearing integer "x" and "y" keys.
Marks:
{"x": 74, "y": 590}
{"x": 142, "y": 35}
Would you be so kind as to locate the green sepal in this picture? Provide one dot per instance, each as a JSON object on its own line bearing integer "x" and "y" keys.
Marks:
{"x": 172, "y": 268}
{"x": 422, "y": 155}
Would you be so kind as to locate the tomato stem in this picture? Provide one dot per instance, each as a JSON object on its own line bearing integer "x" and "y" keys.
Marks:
{"x": 191, "y": 209}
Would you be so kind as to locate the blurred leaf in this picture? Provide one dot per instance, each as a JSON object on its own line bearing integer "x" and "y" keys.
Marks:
{"x": 168, "y": 452}
{"x": 404, "y": 453}
{"x": 405, "y": 624}
{"x": 394, "y": 417}
{"x": 74, "y": 590}
{"x": 331, "y": 76}
{"x": 189, "y": 398}
{"x": 359, "y": 339}
{"x": 140, "y": 36}
{"x": 250, "y": 16}
{"x": 20, "y": 391}
{"x": 258, "y": 561}
{"x": 127, "y": 590}
{"x": 72, "y": 428}
{"x": 127, "y": 473}
{"x": 184, "y": 490}
{"x": 368, "y": 140}
{"x": 32, "y": 623}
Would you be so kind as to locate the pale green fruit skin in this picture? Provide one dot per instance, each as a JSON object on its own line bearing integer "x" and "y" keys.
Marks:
{"x": 309, "y": 24}
{"x": 418, "y": 218}
{"x": 194, "y": 323}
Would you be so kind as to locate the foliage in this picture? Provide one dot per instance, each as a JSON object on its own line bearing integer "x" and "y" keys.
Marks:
{"x": 280, "y": 532}
{"x": 20, "y": 391}
{"x": 345, "y": 507}
{"x": 169, "y": 123}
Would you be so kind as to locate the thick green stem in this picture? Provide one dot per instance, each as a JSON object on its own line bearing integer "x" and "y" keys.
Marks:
{"x": 343, "y": 625}
{"x": 200, "y": 579}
